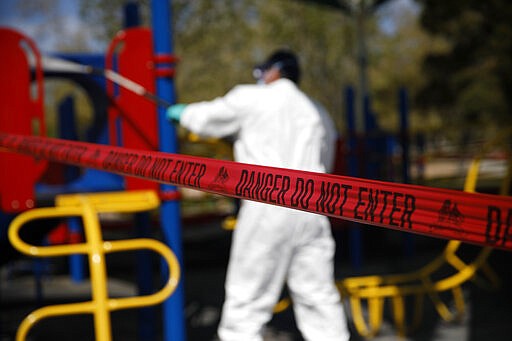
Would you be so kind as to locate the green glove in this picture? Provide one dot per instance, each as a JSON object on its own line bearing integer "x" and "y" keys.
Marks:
{"x": 174, "y": 112}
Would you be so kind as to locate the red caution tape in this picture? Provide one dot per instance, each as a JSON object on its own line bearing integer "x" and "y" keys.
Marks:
{"x": 471, "y": 217}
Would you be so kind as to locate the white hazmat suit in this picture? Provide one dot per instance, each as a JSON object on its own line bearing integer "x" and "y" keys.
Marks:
{"x": 276, "y": 125}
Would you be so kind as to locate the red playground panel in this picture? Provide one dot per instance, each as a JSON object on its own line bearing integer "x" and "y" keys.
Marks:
{"x": 21, "y": 112}
{"x": 133, "y": 119}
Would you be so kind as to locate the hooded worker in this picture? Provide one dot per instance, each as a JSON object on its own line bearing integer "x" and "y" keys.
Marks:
{"x": 273, "y": 123}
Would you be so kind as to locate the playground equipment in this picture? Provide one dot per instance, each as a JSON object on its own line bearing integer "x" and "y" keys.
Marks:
{"x": 22, "y": 112}
{"x": 164, "y": 139}
{"x": 430, "y": 280}
{"x": 88, "y": 207}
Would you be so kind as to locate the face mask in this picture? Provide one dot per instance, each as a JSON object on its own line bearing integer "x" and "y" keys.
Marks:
{"x": 258, "y": 74}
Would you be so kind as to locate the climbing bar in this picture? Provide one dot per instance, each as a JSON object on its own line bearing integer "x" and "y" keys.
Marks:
{"x": 88, "y": 207}
{"x": 481, "y": 219}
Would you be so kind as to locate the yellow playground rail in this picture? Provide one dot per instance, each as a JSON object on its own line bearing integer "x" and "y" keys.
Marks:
{"x": 88, "y": 207}
{"x": 425, "y": 282}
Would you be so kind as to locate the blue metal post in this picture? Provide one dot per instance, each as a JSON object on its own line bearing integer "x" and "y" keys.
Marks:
{"x": 353, "y": 170}
{"x": 173, "y": 308}
{"x": 77, "y": 261}
{"x": 404, "y": 130}
{"x": 67, "y": 131}
{"x": 147, "y": 330}
{"x": 403, "y": 103}
{"x": 370, "y": 148}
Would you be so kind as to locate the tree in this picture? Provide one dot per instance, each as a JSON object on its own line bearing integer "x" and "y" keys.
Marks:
{"x": 219, "y": 42}
{"x": 469, "y": 83}
{"x": 395, "y": 59}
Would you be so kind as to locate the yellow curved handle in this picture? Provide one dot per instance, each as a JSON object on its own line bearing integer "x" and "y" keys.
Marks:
{"x": 113, "y": 304}
{"x": 46, "y": 251}
{"x": 50, "y": 311}
{"x": 88, "y": 206}
{"x": 170, "y": 285}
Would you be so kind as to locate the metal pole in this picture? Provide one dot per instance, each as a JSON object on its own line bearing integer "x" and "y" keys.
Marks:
{"x": 362, "y": 61}
{"x": 404, "y": 139}
{"x": 173, "y": 307}
{"x": 355, "y": 237}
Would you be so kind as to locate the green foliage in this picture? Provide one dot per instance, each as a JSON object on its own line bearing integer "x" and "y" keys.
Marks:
{"x": 106, "y": 16}
{"x": 395, "y": 60}
{"x": 219, "y": 42}
{"x": 470, "y": 83}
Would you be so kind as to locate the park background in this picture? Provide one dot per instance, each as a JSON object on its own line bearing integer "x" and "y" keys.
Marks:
{"x": 452, "y": 58}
